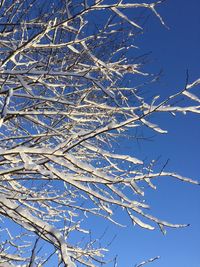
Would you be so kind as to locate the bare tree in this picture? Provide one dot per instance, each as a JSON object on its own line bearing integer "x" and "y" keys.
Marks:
{"x": 66, "y": 97}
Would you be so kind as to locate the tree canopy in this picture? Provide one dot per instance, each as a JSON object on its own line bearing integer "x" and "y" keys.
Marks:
{"x": 68, "y": 95}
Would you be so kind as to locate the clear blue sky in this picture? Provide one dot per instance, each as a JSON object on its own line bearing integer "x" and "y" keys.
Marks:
{"x": 174, "y": 51}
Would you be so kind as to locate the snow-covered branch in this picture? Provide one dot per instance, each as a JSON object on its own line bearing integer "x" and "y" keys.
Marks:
{"x": 65, "y": 101}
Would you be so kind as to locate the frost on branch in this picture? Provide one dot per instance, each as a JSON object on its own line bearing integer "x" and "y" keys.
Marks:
{"x": 66, "y": 97}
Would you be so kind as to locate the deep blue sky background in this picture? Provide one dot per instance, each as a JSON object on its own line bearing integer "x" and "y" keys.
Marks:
{"x": 174, "y": 51}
